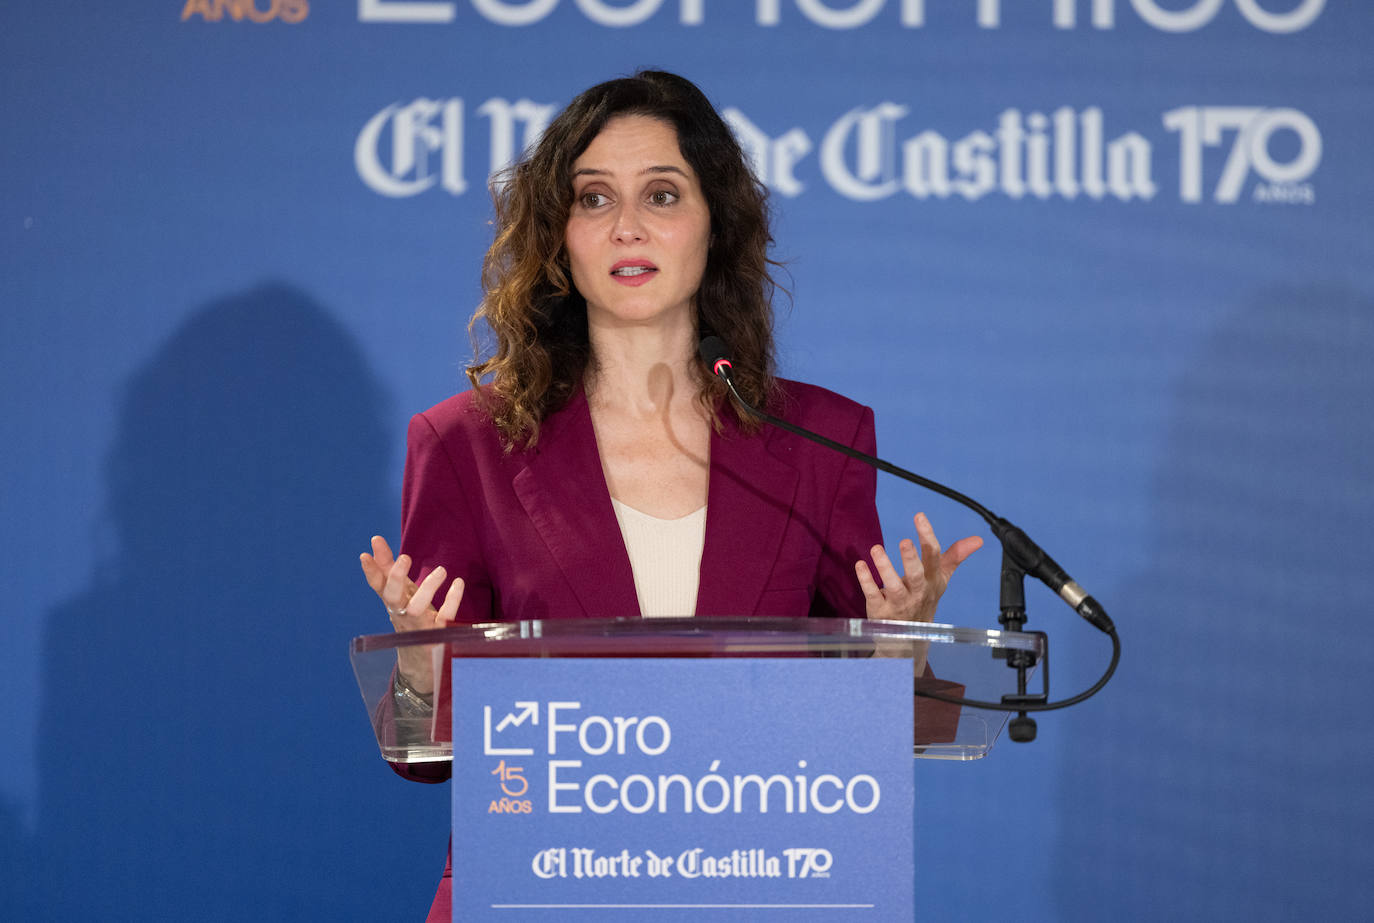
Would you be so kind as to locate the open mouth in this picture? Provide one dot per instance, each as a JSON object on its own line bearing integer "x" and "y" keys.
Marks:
{"x": 633, "y": 272}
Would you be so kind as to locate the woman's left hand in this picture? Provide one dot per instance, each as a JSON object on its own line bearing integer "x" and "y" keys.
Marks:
{"x": 912, "y": 597}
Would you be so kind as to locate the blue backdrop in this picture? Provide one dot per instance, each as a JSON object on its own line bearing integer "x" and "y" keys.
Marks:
{"x": 1105, "y": 264}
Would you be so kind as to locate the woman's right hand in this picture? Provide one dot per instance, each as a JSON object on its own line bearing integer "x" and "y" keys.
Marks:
{"x": 410, "y": 606}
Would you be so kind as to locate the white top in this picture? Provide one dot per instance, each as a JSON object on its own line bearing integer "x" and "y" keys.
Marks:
{"x": 665, "y": 556}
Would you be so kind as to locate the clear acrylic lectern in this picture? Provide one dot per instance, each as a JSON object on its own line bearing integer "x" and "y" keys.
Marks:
{"x": 962, "y": 662}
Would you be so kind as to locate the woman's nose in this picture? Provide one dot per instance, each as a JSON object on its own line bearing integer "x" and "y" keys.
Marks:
{"x": 628, "y": 228}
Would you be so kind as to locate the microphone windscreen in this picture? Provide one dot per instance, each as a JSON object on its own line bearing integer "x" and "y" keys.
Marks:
{"x": 712, "y": 349}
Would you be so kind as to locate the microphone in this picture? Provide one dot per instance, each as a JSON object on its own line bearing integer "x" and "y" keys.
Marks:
{"x": 1016, "y": 544}
{"x": 714, "y": 353}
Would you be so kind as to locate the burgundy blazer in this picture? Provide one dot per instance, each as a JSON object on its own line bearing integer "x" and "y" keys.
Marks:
{"x": 534, "y": 535}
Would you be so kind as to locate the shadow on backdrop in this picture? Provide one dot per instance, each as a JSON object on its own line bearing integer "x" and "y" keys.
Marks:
{"x": 1228, "y": 777}
{"x": 204, "y": 750}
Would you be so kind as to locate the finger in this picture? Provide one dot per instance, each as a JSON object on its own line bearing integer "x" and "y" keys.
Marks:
{"x": 911, "y": 559}
{"x": 418, "y": 603}
{"x": 930, "y": 546}
{"x": 882, "y": 565}
{"x": 958, "y": 553}
{"x": 398, "y": 584}
{"x": 449, "y": 610}
{"x": 372, "y": 572}
{"x": 382, "y": 552}
{"x": 893, "y": 587}
{"x": 866, "y": 582}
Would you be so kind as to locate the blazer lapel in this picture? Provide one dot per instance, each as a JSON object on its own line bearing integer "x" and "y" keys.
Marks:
{"x": 748, "y": 504}
{"x": 563, "y": 491}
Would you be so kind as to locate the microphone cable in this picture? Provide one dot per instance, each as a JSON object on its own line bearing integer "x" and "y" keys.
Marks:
{"x": 1016, "y": 544}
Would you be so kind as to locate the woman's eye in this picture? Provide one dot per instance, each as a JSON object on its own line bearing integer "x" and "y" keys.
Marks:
{"x": 592, "y": 199}
{"x": 662, "y": 197}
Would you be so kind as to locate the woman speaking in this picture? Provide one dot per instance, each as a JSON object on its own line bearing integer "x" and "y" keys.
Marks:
{"x": 597, "y": 468}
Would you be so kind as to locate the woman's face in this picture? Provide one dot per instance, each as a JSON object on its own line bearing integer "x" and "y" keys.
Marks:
{"x": 639, "y": 229}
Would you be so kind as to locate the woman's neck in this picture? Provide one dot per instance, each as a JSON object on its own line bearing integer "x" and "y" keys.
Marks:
{"x": 642, "y": 370}
{"x": 652, "y": 434}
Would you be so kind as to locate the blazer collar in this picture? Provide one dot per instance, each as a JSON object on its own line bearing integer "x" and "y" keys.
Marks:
{"x": 748, "y": 504}
{"x": 563, "y": 490}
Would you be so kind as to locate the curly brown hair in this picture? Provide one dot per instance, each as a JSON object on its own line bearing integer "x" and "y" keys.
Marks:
{"x": 538, "y": 318}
